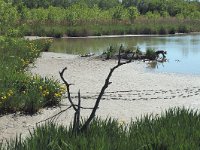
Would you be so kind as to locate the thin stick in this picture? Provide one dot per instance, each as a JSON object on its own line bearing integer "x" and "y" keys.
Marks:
{"x": 54, "y": 115}
{"x": 67, "y": 85}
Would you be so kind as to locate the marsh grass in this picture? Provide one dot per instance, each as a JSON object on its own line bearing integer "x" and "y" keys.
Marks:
{"x": 176, "y": 128}
{"x": 142, "y": 25}
{"x": 20, "y": 91}
{"x": 151, "y": 53}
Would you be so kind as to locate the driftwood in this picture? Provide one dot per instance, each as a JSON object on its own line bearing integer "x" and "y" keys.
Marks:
{"x": 77, "y": 127}
{"x": 159, "y": 55}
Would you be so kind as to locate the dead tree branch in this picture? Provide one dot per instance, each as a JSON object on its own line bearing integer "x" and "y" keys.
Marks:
{"x": 52, "y": 117}
{"x": 67, "y": 85}
{"x": 106, "y": 84}
{"x": 76, "y": 123}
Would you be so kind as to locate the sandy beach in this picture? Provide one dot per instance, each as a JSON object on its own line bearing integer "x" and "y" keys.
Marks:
{"x": 133, "y": 92}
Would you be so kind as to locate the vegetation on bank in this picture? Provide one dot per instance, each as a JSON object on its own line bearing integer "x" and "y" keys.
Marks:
{"x": 175, "y": 129}
{"x": 84, "y": 18}
{"x": 19, "y": 90}
{"x": 22, "y": 92}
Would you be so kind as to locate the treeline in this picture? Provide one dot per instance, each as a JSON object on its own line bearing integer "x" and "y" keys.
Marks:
{"x": 163, "y": 7}
{"x": 98, "y": 17}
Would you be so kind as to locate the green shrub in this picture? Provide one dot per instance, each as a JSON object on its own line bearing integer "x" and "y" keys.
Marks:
{"x": 138, "y": 51}
{"x": 111, "y": 52}
{"x": 163, "y": 31}
{"x": 172, "y": 30}
{"x": 18, "y": 90}
{"x": 183, "y": 29}
{"x": 151, "y": 54}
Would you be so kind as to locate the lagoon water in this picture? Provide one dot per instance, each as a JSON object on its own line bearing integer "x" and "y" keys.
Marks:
{"x": 183, "y": 51}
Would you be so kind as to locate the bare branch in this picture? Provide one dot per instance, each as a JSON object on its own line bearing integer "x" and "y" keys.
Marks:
{"x": 55, "y": 115}
{"x": 77, "y": 106}
{"x": 106, "y": 84}
{"x": 78, "y": 111}
{"x": 119, "y": 55}
{"x": 67, "y": 85}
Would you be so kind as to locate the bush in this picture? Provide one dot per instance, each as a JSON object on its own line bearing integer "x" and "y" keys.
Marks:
{"x": 183, "y": 29}
{"x": 18, "y": 90}
{"x": 151, "y": 54}
{"x": 172, "y": 30}
{"x": 163, "y": 30}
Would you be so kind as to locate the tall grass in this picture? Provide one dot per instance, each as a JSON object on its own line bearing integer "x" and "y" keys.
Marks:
{"x": 20, "y": 91}
{"x": 151, "y": 53}
{"x": 175, "y": 129}
{"x": 142, "y": 25}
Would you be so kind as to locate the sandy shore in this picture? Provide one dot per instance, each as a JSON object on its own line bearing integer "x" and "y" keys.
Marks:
{"x": 133, "y": 91}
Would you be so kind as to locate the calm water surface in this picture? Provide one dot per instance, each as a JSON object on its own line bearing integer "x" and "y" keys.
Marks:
{"x": 183, "y": 51}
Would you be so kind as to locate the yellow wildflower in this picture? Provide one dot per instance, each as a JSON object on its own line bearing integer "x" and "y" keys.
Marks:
{"x": 40, "y": 87}
{"x": 45, "y": 93}
{"x": 3, "y": 97}
{"x": 57, "y": 95}
{"x": 10, "y": 92}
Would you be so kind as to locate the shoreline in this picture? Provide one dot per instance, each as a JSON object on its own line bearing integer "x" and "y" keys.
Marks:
{"x": 132, "y": 94}
{"x": 111, "y": 36}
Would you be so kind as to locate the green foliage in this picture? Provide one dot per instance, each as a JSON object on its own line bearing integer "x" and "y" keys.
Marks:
{"x": 183, "y": 29}
{"x": 175, "y": 129}
{"x": 171, "y": 7}
{"x": 151, "y": 54}
{"x": 86, "y": 17}
{"x": 105, "y": 4}
{"x": 20, "y": 91}
{"x": 111, "y": 52}
{"x": 8, "y": 17}
{"x": 138, "y": 51}
{"x": 117, "y": 13}
{"x": 133, "y": 13}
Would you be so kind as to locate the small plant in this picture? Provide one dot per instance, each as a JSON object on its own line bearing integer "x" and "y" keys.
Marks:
{"x": 110, "y": 53}
{"x": 138, "y": 51}
{"x": 151, "y": 54}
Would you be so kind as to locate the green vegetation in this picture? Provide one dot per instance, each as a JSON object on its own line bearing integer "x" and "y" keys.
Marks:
{"x": 99, "y": 17}
{"x": 129, "y": 53}
{"x": 151, "y": 54}
{"x": 175, "y": 129}
{"x": 20, "y": 91}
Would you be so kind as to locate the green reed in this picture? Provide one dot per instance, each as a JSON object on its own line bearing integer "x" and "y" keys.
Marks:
{"x": 176, "y": 128}
{"x": 142, "y": 25}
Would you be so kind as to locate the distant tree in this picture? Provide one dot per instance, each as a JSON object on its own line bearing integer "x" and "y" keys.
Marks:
{"x": 133, "y": 13}
{"x": 129, "y": 3}
{"x": 105, "y": 4}
{"x": 117, "y": 12}
{"x": 8, "y": 17}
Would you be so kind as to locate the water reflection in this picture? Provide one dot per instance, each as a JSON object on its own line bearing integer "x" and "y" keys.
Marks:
{"x": 185, "y": 48}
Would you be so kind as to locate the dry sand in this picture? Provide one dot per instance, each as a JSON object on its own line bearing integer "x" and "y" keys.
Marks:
{"x": 133, "y": 92}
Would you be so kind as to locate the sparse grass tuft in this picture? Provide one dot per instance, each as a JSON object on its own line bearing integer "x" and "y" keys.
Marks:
{"x": 151, "y": 54}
